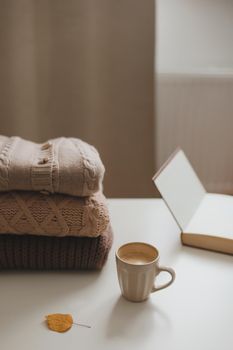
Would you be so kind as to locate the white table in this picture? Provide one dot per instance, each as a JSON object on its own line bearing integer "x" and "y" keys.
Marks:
{"x": 196, "y": 312}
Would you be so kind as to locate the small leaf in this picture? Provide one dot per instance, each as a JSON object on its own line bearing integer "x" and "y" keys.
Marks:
{"x": 59, "y": 322}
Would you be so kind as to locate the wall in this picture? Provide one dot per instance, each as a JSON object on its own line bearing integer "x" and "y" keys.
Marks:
{"x": 194, "y": 36}
{"x": 85, "y": 69}
{"x": 194, "y": 83}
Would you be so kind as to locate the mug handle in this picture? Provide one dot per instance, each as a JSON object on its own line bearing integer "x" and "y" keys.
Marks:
{"x": 173, "y": 276}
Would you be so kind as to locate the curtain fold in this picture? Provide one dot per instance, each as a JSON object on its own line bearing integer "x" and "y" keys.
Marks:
{"x": 83, "y": 68}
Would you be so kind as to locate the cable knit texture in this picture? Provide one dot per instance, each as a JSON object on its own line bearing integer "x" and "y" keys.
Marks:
{"x": 23, "y": 212}
{"x": 48, "y": 253}
{"x": 62, "y": 165}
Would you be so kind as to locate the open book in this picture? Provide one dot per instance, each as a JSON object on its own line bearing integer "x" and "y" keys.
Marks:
{"x": 205, "y": 219}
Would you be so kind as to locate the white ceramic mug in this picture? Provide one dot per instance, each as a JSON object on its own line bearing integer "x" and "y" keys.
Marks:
{"x": 137, "y": 268}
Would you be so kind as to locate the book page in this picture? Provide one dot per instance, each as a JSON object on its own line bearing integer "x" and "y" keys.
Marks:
{"x": 180, "y": 188}
{"x": 214, "y": 216}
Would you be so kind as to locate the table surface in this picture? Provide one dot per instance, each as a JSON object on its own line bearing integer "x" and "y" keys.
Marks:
{"x": 196, "y": 312}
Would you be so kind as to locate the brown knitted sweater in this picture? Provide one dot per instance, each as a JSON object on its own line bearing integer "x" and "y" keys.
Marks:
{"x": 62, "y": 165}
{"x": 48, "y": 253}
{"x": 24, "y": 212}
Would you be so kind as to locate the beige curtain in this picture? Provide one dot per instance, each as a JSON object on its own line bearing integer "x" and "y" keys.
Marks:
{"x": 83, "y": 68}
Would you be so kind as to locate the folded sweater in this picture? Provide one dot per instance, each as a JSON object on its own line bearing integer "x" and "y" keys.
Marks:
{"x": 25, "y": 212}
{"x": 62, "y": 165}
{"x": 49, "y": 253}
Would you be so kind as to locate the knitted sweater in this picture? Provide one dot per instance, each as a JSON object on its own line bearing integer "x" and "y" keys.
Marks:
{"x": 62, "y": 165}
{"x": 25, "y": 212}
{"x": 47, "y": 253}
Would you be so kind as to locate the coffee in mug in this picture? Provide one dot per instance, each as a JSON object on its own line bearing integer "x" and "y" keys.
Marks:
{"x": 137, "y": 268}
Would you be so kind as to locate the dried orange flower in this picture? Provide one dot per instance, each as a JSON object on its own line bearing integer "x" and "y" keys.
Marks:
{"x": 59, "y": 322}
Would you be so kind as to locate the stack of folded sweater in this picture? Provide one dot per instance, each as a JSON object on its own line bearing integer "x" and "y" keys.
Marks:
{"x": 53, "y": 214}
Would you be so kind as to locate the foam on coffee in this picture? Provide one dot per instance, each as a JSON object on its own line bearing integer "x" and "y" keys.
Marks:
{"x": 136, "y": 258}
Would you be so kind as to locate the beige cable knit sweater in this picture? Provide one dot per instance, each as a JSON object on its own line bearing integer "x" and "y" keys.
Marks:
{"x": 62, "y": 165}
{"x": 25, "y": 212}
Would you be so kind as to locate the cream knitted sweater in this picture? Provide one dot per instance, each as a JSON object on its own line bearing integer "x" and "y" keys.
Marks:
{"x": 62, "y": 165}
{"x": 25, "y": 212}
